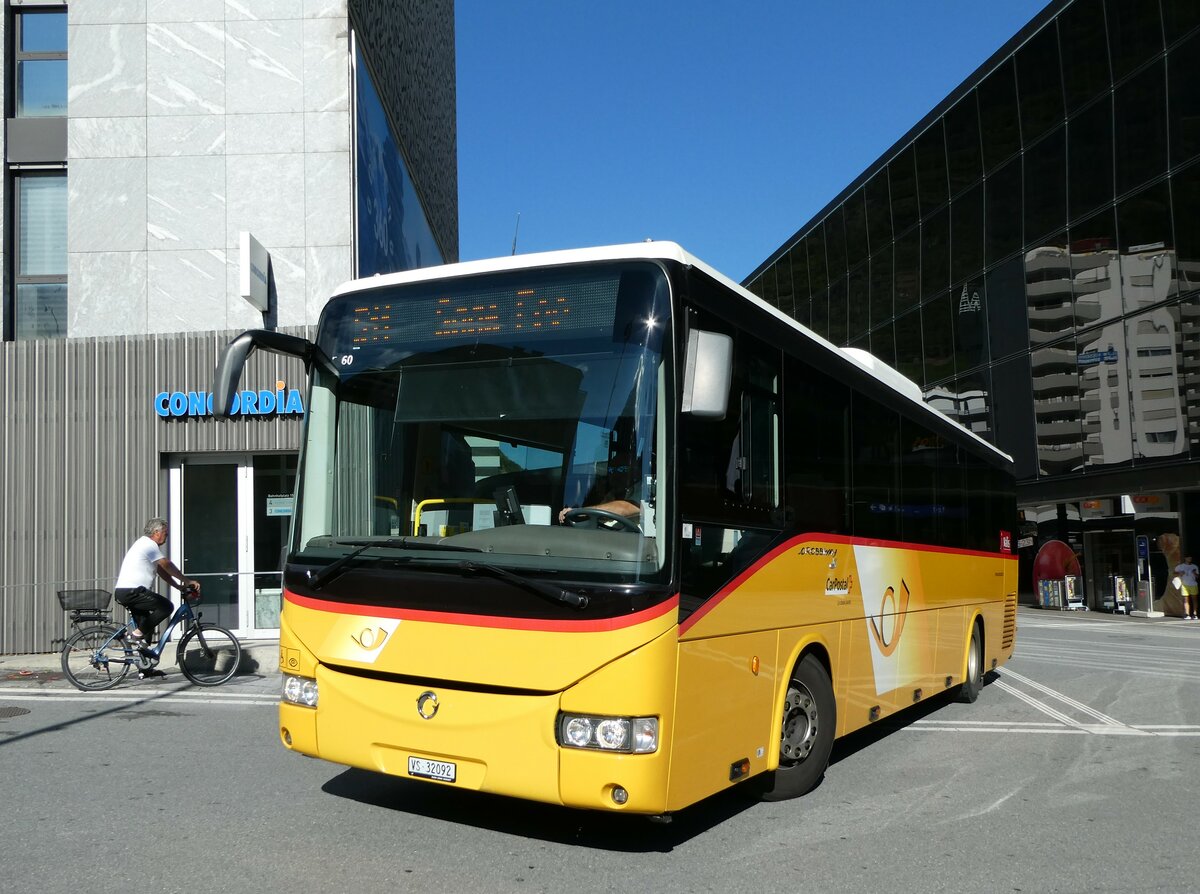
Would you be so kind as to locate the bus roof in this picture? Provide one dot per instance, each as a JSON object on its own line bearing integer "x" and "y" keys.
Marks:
{"x": 886, "y": 375}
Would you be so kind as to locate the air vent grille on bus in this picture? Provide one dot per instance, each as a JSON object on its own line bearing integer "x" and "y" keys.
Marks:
{"x": 1010, "y": 621}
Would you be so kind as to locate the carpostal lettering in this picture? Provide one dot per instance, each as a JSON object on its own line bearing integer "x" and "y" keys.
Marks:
{"x": 839, "y": 586}
{"x": 245, "y": 403}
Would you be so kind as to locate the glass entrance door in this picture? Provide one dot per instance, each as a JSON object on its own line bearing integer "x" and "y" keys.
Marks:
{"x": 230, "y": 515}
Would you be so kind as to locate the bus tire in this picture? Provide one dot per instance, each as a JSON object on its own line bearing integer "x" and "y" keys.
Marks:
{"x": 809, "y": 721}
{"x": 972, "y": 683}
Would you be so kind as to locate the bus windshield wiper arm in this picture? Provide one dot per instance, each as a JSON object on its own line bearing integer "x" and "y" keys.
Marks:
{"x": 550, "y": 591}
{"x": 317, "y": 579}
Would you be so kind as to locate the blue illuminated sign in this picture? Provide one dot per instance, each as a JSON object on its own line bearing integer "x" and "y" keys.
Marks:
{"x": 281, "y": 402}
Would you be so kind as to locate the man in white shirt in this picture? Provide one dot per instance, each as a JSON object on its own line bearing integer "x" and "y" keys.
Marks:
{"x": 142, "y": 564}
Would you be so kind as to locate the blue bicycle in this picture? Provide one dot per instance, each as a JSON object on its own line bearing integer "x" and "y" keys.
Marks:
{"x": 99, "y": 655}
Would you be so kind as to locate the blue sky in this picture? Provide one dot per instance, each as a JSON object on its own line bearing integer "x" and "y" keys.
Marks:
{"x": 721, "y": 126}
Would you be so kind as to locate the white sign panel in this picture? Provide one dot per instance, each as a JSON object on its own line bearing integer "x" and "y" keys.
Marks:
{"x": 252, "y": 273}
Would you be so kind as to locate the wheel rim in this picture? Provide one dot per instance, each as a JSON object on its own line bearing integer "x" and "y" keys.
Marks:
{"x": 800, "y": 724}
{"x": 973, "y": 660}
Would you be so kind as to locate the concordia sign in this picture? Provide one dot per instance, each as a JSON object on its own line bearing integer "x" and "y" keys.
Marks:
{"x": 280, "y": 402}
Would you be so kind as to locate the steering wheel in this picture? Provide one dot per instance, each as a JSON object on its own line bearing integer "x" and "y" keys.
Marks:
{"x": 585, "y": 517}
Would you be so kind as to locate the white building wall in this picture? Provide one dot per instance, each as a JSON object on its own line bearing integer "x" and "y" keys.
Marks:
{"x": 189, "y": 122}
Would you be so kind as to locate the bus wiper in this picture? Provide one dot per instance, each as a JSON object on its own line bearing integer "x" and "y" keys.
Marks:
{"x": 318, "y": 578}
{"x": 541, "y": 588}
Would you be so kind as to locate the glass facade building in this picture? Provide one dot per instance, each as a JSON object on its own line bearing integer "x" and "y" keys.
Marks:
{"x": 1029, "y": 253}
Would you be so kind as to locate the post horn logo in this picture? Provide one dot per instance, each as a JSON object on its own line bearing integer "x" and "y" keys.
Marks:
{"x": 427, "y": 705}
{"x": 369, "y": 639}
{"x": 888, "y": 641}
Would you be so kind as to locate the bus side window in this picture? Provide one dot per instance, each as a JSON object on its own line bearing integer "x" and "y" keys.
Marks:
{"x": 816, "y": 436}
{"x": 877, "y": 497}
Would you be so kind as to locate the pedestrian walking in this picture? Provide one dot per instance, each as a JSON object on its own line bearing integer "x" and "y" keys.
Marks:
{"x": 1187, "y": 575}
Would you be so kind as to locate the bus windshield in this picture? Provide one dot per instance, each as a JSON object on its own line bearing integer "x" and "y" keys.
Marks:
{"x": 473, "y": 422}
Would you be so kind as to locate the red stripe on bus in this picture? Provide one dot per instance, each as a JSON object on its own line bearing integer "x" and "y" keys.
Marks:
{"x": 491, "y": 621}
{"x": 756, "y": 566}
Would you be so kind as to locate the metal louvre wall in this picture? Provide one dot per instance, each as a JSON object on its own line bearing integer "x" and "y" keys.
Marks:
{"x": 84, "y": 458}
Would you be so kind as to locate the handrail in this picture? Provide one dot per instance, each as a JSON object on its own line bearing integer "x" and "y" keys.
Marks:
{"x": 438, "y": 500}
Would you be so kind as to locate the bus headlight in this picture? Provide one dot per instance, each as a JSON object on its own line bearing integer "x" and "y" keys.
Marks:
{"x": 626, "y": 735}
{"x": 300, "y": 691}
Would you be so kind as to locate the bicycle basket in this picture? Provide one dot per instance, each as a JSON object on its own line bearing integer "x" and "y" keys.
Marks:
{"x": 84, "y": 600}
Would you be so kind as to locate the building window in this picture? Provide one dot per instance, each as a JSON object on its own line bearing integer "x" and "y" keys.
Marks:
{"x": 40, "y": 60}
{"x": 40, "y": 255}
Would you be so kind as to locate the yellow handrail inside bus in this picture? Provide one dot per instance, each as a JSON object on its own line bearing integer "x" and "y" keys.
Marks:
{"x": 438, "y": 501}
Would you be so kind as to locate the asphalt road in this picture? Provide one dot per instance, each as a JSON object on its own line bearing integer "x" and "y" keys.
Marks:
{"x": 1077, "y": 770}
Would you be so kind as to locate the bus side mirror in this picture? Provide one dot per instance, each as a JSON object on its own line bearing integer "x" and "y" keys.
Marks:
{"x": 707, "y": 374}
{"x": 233, "y": 359}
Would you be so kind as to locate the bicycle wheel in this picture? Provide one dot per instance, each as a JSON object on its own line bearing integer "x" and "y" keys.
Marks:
{"x": 208, "y": 655}
{"x": 92, "y": 659}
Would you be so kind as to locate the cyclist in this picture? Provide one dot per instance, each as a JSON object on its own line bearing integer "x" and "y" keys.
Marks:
{"x": 142, "y": 563}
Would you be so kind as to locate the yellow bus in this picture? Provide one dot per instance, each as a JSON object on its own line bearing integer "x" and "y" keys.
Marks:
{"x": 600, "y": 528}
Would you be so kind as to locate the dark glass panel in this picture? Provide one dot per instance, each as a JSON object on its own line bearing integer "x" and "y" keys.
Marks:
{"x": 963, "y": 153}
{"x": 856, "y": 228}
{"x": 835, "y": 244}
{"x": 1135, "y": 33}
{"x": 908, "y": 270}
{"x": 1084, "y": 52}
{"x": 883, "y": 344}
{"x": 1090, "y": 159}
{"x": 1056, "y": 407}
{"x": 1048, "y": 290}
{"x": 1039, "y": 82}
{"x": 1185, "y": 194}
{"x": 973, "y": 393}
{"x": 798, "y": 257}
{"x": 937, "y": 333}
{"x": 770, "y": 292}
{"x": 966, "y": 234}
{"x": 1003, "y": 189}
{"x": 804, "y": 312}
{"x": 879, "y": 211}
{"x": 902, "y": 174}
{"x": 783, "y": 276}
{"x": 1187, "y": 357}
{"x": 755, "y": 286}
{"x": 1046, "y": 186}
{"x": 1104, "y": 396}
{"x": 1141, "y": 128}
{"x": 1095, "y": 269}
{"x": 1007, "y": 327}
{"x": 1180, "y": 17}
{"x": 969, "y": 314}
{"x": 908, "y": 347}
{"x": 932, "y": 185}
{"x": 1183, "y": 74}
{"x": 818, "y": 281}
{"x": 1144, "y": 228}
{"x": 1012, "y": 415}
{"x": 858, "y": 311}
{"x": 935, "y": 253}
{"x": 837, "y": 312}
{"x": 1158, "y": 373}
{"x": 998, "y": 116}
{"x": 819, "y": 308}
{"x": 881, "y": 286}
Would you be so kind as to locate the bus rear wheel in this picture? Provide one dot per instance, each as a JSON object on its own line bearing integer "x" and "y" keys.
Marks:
{"x": 973, "y": 682}
{"x": 809, "y": 720}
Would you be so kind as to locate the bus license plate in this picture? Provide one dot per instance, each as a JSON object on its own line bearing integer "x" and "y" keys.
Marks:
{"x": 442, "y": 771}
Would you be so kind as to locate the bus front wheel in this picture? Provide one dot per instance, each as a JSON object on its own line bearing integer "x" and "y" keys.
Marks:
{"x": 809, "y": 720}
